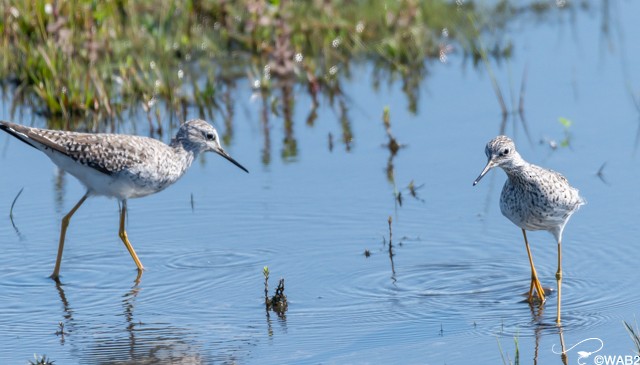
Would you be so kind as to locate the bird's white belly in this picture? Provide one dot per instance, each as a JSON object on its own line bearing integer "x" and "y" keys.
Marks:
{"x": 533, "y": 211}
{"x": 120, "y": 186}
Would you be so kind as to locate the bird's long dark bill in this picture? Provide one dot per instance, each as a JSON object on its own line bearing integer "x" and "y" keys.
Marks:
{"x": 222, "y": 153}
{"x": 489, "y": 166}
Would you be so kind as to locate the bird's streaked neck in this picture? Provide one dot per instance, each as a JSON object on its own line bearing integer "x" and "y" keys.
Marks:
{"x": 186, "y": 153}
{"x": 514, "y": 165}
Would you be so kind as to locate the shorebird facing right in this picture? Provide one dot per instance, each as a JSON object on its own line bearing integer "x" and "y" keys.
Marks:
{"x": 533, "y": 198}
{"x": 120, "y": 166}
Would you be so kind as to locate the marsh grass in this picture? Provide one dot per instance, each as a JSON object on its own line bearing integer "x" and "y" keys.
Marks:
{"x": 634, "y": 333}
{"x": 82, "y": 58}
{"x": 506, "y": 360}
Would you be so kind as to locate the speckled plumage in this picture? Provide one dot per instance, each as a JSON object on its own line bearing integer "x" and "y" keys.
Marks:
{"x": 120, "y": 166}
{"x": 533, "y": 198}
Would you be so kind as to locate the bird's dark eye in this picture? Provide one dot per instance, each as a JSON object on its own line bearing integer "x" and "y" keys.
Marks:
{"x": 505, "y": 152}
{"x": 211, "y": 137}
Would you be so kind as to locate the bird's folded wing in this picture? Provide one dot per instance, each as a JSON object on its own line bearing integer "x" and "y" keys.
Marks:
{"x": 103, "y": 152}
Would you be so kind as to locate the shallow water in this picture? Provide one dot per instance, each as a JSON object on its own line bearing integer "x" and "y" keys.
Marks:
{"x": 454, "y": 287}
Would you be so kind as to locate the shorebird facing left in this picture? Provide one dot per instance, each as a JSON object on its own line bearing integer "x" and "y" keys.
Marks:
{"x": 533, "y": 198}
{"x": 119, "y": 165}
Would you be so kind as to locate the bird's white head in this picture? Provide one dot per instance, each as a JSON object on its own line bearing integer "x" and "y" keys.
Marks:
{"x": 199, "y": 136}
{"x": 501, "y": 152}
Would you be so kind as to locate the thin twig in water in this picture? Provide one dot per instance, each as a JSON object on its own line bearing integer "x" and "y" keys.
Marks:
{"x": 393, "y": 269}
{"x": 11, "y": 212}
{"x": 600, "y": 174}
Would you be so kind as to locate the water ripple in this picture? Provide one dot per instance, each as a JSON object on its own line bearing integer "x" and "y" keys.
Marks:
{"x": 469, "y": 297}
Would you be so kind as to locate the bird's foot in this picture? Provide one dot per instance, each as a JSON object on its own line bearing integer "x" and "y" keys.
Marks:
{"x": 534, "y": 298}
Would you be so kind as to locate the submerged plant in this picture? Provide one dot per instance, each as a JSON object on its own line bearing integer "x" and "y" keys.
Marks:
{"x": 41, "y": 360}
{"x": 278, "y": 302}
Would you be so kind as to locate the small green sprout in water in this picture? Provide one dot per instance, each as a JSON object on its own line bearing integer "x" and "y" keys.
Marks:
{"x": 386, "y": 119}
{"x": 278, "y": 302}
{"x": 566, "y": 141}
{"x": 566, "y": 124}
{"x": 41, "y": 360}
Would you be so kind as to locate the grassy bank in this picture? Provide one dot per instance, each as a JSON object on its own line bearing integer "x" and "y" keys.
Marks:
{"x": 83, "y": 58}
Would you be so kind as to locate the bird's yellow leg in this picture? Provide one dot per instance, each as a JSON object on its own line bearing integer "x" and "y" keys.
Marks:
{"x": 123, "y": 236}
{"x": 534, "y": 275}
{"x": 531, "y": 287}
{"x": 63, "y": 232}
{"x": 563, "y": 354}
{"x": 559, "y": 280}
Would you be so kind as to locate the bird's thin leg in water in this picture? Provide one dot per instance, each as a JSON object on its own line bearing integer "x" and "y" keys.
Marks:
{"x": 531, "y": 287}
{"x": 123, "y": 236}
{"x": 559, "y": 279}
{"x": 63, "y": 232}
{"x": 534, "y": 275}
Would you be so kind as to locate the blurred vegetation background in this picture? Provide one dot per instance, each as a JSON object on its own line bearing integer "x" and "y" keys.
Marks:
{"x": 81, "y": 59}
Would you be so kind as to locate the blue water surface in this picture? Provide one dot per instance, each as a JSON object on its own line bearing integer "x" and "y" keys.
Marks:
{"x": 453, "y": 293}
